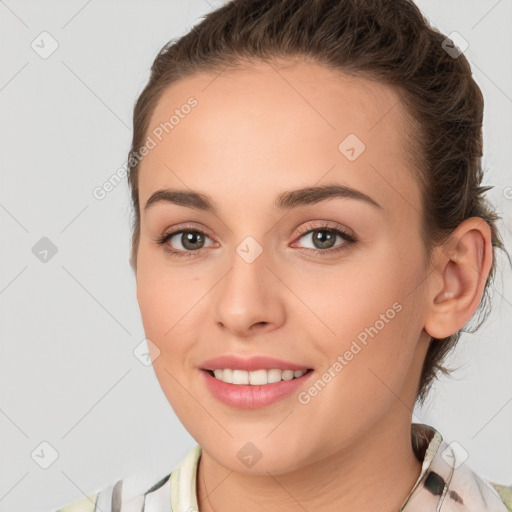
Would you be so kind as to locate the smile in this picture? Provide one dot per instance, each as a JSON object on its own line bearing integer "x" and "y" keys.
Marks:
{"x": 256, "y": 377}
{"x": 241, "y": 394}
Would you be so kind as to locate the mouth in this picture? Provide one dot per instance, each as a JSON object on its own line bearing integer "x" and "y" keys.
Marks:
{"x": 259, "y": 377}
{"x": 254, "y": 389}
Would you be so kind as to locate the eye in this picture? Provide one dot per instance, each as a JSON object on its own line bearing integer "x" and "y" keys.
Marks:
{"x": 191, "y": 240}
{"x": 324, "y": 237}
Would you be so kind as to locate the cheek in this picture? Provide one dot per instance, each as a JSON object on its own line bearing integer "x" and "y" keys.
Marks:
{"x": 373, "y": 315}
{"x": 356, "y": 295}
{"x": 163, "y": 295}
{"x": 170, "y": 309}
{"x": 367, "y": 367}
{"x": 163, "y": 304}
{"x": 154, "y": 304}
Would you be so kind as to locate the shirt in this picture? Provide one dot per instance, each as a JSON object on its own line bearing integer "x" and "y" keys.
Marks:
{"x": 445, "y": 484}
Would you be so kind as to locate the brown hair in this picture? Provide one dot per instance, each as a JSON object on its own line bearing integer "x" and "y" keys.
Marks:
{"x": 385, "y": 40}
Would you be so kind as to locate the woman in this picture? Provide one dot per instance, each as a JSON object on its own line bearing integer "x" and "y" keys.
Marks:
{"x": 310, "y": 236}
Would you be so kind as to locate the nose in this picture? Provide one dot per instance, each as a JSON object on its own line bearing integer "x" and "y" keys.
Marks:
{"x": 249, "y": 299}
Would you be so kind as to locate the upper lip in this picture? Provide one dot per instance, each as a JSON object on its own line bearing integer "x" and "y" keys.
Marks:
{"x": 249, "y": 364}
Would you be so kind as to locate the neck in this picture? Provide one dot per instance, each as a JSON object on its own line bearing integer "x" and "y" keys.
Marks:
{"x": 375, "y": 473}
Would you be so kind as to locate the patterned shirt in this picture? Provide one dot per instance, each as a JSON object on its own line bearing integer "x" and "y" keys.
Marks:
{"x": 446, "y": 484}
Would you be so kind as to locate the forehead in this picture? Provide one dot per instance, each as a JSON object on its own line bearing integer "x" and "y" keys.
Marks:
{"x": 277, "y": 124}
{"x": 277, "y": 94}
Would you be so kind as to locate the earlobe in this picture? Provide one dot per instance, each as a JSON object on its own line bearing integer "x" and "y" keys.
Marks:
{"x": 463, "y": 265}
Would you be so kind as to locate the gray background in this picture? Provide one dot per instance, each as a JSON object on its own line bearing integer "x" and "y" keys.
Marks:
{"x": 69, "y": 325}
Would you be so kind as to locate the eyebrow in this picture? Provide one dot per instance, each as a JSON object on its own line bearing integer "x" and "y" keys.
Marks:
{"x": 285, "y": 201}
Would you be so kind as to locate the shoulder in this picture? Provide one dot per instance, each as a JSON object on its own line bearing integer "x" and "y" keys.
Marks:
{"x": 133, "y": 493}
{"x": 146, "y": 491}
{"x": 447, "y": 482}
{"x": 505, "y": 493}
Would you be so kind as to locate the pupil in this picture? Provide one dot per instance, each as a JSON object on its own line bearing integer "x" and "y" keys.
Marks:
{"x": 189, "y": 239}
{"x": 325, "y": 241}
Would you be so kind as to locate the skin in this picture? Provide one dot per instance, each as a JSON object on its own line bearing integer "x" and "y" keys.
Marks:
{"x": 256, "y": 132}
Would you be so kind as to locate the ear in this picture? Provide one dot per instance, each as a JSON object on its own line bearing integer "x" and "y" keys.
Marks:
{"x": 462, "y": 266}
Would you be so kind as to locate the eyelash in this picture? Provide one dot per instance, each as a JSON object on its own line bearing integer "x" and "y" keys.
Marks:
{"x": 348, "y": 240}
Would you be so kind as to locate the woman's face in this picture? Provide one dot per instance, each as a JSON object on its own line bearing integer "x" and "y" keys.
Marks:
{"x": 267, "y": 276}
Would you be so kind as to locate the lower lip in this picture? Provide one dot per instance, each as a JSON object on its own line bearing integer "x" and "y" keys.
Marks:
{"x": 245, "y": 396}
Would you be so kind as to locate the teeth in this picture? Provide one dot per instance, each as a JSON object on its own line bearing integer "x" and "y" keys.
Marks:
{"x": 218, "y": 374}
{"x": 256, "y": 377}
{"x": 240, "y": 377}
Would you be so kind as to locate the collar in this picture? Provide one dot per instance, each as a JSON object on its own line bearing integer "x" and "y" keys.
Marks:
{"x": 425, "y": 444}
{"x": 444, "y": 481}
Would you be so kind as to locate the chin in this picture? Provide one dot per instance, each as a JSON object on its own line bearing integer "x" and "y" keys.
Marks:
{"x": 255, "y": 458}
